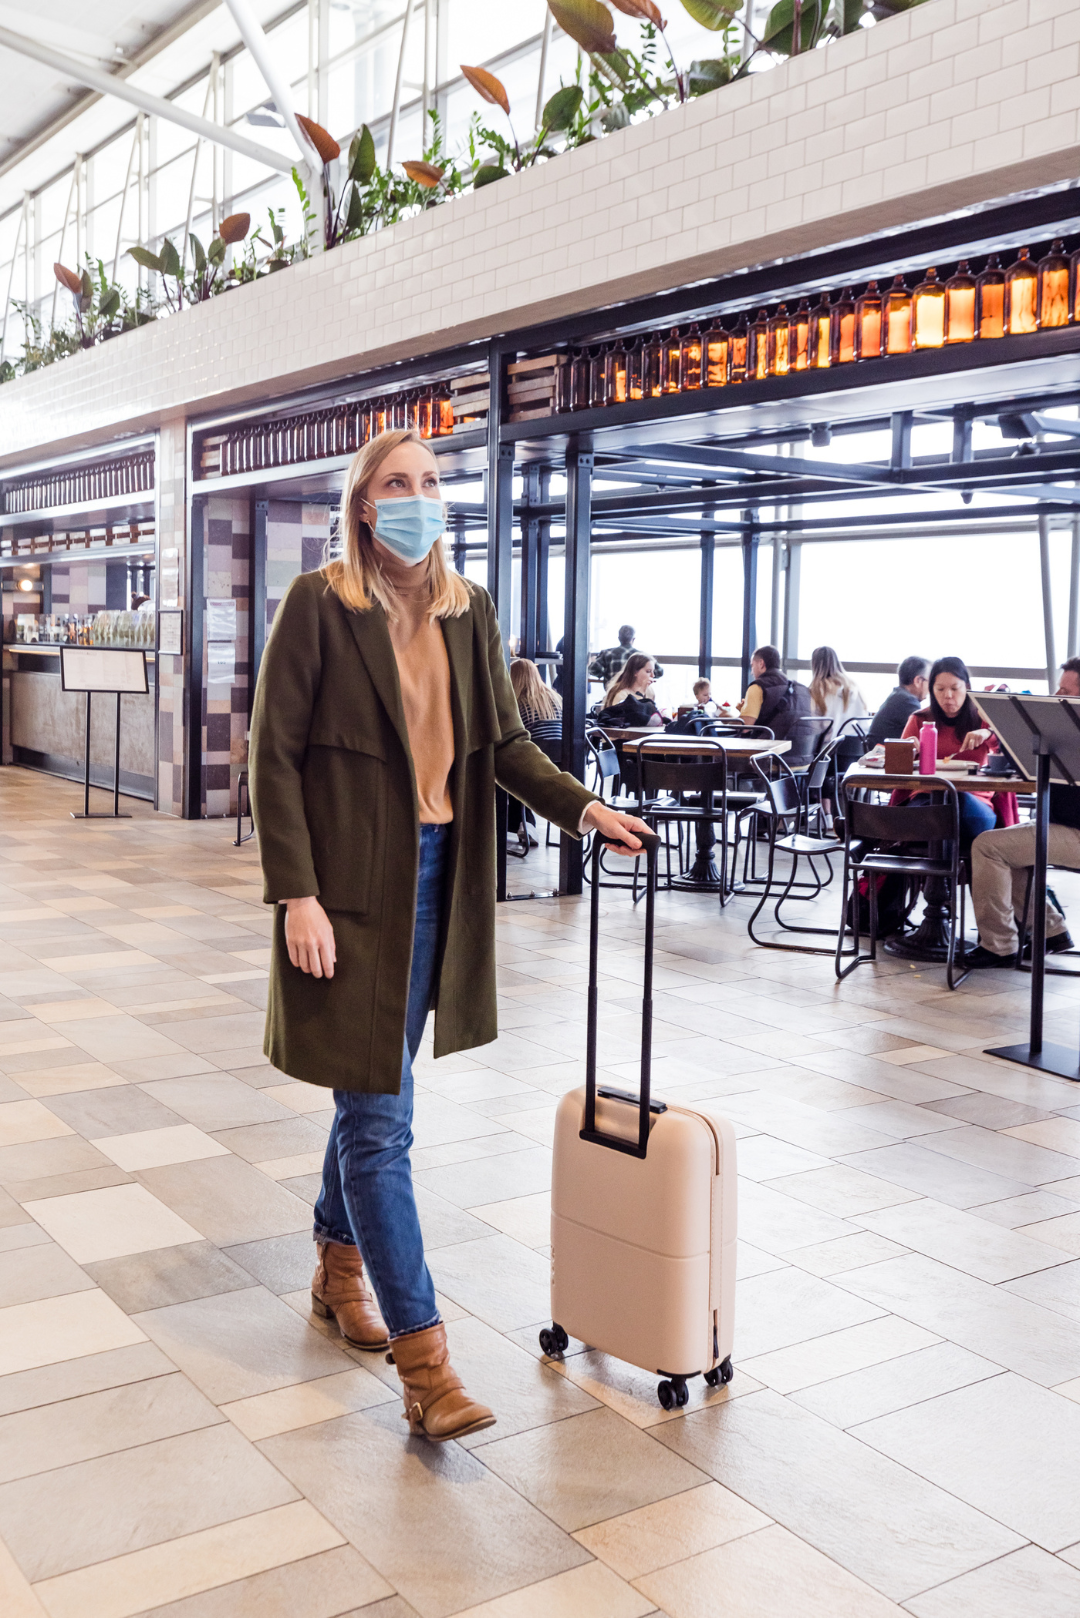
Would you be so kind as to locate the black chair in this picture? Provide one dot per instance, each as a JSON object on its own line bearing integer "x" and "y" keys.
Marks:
{"x": 243, "y": 796}
{"x": 786, "y": 816}
{"x": 665, "y": 781}
{"x": 604, "y": 764}
{"x": 867, "y": 827}
{"x": 808, "y": 737}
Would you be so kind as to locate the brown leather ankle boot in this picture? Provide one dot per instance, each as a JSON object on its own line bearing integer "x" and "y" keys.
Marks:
{"x": 339, "y": 1291}
{"x": 436, "y": 1404}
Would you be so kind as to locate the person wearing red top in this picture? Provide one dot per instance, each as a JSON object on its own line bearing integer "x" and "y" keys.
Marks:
{"x": 961, "y": 736}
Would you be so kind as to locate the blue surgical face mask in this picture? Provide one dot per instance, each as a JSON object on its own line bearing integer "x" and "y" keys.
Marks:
{"x": 409, "y": 526}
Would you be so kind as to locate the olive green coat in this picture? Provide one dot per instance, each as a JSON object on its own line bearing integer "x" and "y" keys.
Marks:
{"x": 334, "y": 798}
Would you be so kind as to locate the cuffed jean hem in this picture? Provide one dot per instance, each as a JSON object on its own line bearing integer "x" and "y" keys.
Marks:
{"x": 421, "y": 1327}
{"x": 323, "y": 1234}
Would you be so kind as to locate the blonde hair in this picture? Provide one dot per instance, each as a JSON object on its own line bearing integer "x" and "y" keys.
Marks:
{"x": 828, "y": 676}
{"x": 624, "y": 680}
{"x": 535, "y": 699}
{"x": 356, "y": 577}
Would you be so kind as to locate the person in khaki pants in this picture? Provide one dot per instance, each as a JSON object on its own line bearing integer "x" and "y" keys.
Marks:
{"x": 1001, "y": 862}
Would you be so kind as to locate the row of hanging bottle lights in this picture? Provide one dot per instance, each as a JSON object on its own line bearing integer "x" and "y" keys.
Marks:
{"x": 1026, "y": 297}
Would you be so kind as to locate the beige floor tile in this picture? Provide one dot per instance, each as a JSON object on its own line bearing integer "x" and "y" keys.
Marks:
{"x": 39, "y": 1271}
{"x": 786, "y": 1307}
{"x": 39, "y": 1161}
{"x": 170, "y": 1144}
{"x": 1063, "y": 1232}
{"x": 300, "y": 1096}
{"x": 29, "y": 1122}
{"x": 303, "y": 1164}
{"x": 912, "y": 1054}
{"x": 61, "y": 1012}
{"x": 228, "y": 1200}
{"x": 70, "y": 1077}
{"x": 527, "y": 1220}
{"x": 670, "y": 1531}
{"x": 298, "y": 1405}
{"x": 590, "y": 1589}
{"x": 504, "y": 1283}
{"x": 508, "y": 1379}
{"x": 276, "y": 1139}
{"x": 1061, "y": 1135}
{"x": 335, "y": 1582}
{"x": 242, "y": 1343}
{"x": 1025, "y": 1583}
{"x": 844, "y": 1254}
{"x": 47, "y": 1437}
{"x": 112, "y": 1221}
{"x": 889, "y": 1386}
{"x": 216, "y": 1102}
{"x": 189, "y": 1564}
{"x": 632, "y": 1393}
{"x": 842, "y": 1190}
{"x": 82, "y": 1375}
{"x": 959, "y": 1238}
{"x": 17, "y": 1596}
{"x": 770, "y": 1573}
{"x": 812, "y": 1361}
{"x": 48, "y": 1330}
{"x": 98, "y": 961}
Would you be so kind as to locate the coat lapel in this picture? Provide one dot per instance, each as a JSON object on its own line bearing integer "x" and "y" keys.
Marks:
{"x": 372, "y": 637}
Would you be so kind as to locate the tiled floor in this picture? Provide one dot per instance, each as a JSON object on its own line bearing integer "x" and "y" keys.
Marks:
{"x": 179, "y": 1436}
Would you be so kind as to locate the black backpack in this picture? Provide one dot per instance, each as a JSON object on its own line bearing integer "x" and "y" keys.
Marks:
{"x": 791, "y": 705}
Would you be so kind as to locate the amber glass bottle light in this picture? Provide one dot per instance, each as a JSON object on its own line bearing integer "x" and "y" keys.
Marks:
{"x": 1053, "y": 289}
{"x": 928, "y": 313}
{"x": 821, "y": 333}
{"x": 615, "y": 374}
{"x": 740, "y": 341}
{"x": 898, "y": 319}
{"x": 717, "y": 345}
{"x": 780, "y": 343}
{"x": 1021, "y": 295}
{"x": 757, "y": 359}
{"x": 670, "y": 360}
{"x": 799, "y": 340}
{"x": 635, "y": 369}
{"x": 425, "y": 416}
{"x": 654, "y": 349}
{"x": 868, "y": 323}
{"x": 690, "y": 359}
{"x": 990, "y": 300}
{"x": 446, "y": 413}
{"x": 579, "y": 380}
{"x": 564, "y": 394}
{"x": 1074, "y": 283}
{"x": 960, "y": 305}
{"x": 842, "y": 329}
{"x": 596, "y": 377}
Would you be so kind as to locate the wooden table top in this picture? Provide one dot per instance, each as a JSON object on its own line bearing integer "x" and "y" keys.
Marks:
{"x": 743, "y": 747}
{"x": 875, "y": 776}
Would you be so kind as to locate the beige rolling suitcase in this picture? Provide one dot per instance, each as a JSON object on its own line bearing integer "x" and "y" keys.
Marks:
{"x": 643, "y": 1215}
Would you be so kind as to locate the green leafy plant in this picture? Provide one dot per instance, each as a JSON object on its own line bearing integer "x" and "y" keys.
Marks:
{"x": 205, "y": 277}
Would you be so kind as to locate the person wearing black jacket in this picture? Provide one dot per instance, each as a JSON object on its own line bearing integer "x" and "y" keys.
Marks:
{"x": 626, "y": 702}
{"x": 773, "y": 698}
{"x": 1001, "y": 862}
{"x": 907, "y": 696}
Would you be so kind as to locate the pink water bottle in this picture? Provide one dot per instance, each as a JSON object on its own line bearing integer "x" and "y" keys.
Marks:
{"x": 928, "y": 749}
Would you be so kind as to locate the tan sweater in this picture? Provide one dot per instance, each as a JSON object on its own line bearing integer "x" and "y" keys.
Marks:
{"x": 424, "y": 675}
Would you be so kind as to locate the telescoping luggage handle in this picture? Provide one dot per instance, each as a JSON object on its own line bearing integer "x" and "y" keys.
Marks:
{"x": 645, "y": 1104}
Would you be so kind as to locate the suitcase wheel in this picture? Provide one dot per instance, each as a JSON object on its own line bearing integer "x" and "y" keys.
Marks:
{"x": 720, "y": 1375}
{"x": 553, "y": 1340}
{"x": 672, "y": 1392}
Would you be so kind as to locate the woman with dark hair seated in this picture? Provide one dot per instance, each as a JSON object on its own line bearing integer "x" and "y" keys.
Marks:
{"x": 627, "y": 701}
{"x": 962, "y": 737}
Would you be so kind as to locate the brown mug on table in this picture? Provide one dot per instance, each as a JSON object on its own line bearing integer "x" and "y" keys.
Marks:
{"x": 899, "y": 756}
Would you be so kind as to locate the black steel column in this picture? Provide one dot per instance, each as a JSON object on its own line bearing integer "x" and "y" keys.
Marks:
{"x": 705, "y": 630}
{"x": 457, "y": 529}
{"x": 750, "y": 539}
{"x": 195, "y": 586}
{"x": 579, "y": 474}
{"x": 500, "y": 498}
{"x": 258, "y": 590}
{"x": 530, "y": 534}
{"x": 543, "y": 558}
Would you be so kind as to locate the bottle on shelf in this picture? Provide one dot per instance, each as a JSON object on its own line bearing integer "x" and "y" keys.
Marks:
{"x": 690, "y": 359}
{"x": 596, "y": 378}
{"x": 615, "y": 373}
{"x": 990, "y": 300}
{"x": 579, "y": 380}
{"x": 654, "y": 351}
{"x": 757, "y": 357}
{"x": 821, "y": 333}
{"x": 960, "y": 305}
{"x": 928, "y": 313}
{"x": 868, "y": 323}
{"x": 1021, "y": 295}
{"x": 425, "y": 414}
{"x": 670, "y": 357}
{"x": 898, "y": 318}
{"x": 1053, "y": 287}
{"x": 780, "y": 343}
{"x": 635, "y": 369}
{"x": 1074, "y": 284}
{"x": 842, "y": 329}
{"x": 740, "y": 342}
{"x": 412, "y": 410}
{"x": 799, "y": 339}
{"x": 446, "y": 410}
{"x": 382, "y": 414}
{"x": 717, "y": 352}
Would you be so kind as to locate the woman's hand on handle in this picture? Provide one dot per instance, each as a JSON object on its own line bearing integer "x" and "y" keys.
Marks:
{"x": 614, "y": 824}
{"x": 309, "y": 934}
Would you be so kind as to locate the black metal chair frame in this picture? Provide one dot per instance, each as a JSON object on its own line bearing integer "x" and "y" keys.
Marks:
{"x": 243, "y": 793}
{"x": 602, "y": 754}
{"x": 786, "y": 813}
{"x": 661, "y": 771}
{"x": 868, "y": 825}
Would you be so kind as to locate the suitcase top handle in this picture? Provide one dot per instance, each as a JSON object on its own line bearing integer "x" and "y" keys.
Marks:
{"x": 590, "y": 1133}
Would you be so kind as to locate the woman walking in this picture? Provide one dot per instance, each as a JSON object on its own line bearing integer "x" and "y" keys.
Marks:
{"x": 383, "y": 718}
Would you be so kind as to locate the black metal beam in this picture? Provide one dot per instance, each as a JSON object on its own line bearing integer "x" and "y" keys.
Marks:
{"x": 195, "y": 591}
{"x": 579, "y": 472}
{"x": 530, "y": 527}
{"x": 749, "y": 616}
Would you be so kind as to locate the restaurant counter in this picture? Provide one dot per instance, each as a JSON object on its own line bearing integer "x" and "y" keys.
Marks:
{"x": 45, "y": 727}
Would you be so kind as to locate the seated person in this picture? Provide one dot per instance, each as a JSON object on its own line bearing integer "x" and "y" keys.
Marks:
{"x": 541, "y": 714}
{"x": 832, "y": 689}
{"x": 607, "y": 664}
{"x": 961, "y": 736}
{"x": 627, "y": 701}
{"x": 772, "y": 694}
{"x": 1001, "y": 862}
{"x": 908, "y": 695}
{"x": 703, "y": 698}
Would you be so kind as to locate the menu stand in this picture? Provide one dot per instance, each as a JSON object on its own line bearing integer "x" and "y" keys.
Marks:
{"x": 1048, "y": 727}
{"x": 105, "y": 672}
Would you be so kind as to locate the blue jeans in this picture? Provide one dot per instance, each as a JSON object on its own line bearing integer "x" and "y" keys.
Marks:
{"x": 367, "y": 1191}
{"x": 976, "y": 816}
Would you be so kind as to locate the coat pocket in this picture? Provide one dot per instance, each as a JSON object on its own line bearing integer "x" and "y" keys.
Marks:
{"x": 345, "y": 805}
